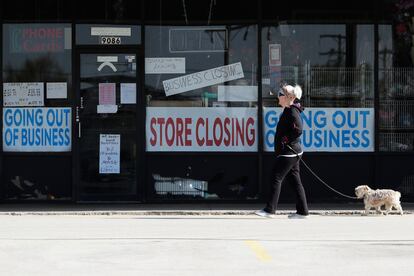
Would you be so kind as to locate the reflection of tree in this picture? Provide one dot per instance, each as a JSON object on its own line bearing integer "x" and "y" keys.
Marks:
{"x": 332, "y": 53}
{"x": 44, "y": 68}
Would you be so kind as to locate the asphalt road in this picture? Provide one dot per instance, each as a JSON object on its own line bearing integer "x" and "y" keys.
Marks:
{"x": 206, "y": 245}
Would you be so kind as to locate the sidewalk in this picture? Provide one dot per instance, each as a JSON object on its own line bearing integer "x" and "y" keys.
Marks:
{"x": 175, "y": 209}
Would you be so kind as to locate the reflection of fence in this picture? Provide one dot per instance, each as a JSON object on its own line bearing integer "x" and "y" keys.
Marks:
{"x": 396, "y": 111}
{"x": 394, "y": 114}
{"x": 328, "y": 86}
{"x": 396, "y": 141}
{"x": 396, "y": 82}
{"x": 341, "y": 82}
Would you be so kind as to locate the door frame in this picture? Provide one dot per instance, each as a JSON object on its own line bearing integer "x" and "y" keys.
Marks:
{"x": 137, "y": 50}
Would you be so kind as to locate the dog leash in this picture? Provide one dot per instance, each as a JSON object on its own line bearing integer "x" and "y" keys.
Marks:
{"x": 317, "y": 177}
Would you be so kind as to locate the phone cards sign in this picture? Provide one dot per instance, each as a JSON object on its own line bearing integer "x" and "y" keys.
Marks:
{"x": 328, "y": 129}
{"x": 37, "y": 129}
{"x": 109, "y": 153}
{"x": 23, "y": 94}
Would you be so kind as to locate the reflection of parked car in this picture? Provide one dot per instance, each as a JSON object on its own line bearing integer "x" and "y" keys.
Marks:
{"x": 179, "y": 186}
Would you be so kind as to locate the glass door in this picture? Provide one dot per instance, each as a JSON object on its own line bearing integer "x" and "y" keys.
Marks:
{"x": 106, "y": 118}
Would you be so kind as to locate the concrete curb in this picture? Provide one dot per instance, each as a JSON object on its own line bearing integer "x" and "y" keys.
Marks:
{"x": 178, "y": 213}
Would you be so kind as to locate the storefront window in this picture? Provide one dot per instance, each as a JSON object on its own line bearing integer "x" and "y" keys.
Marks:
{"x": 201, "y": 89}
{"x": 336, "y": 76}
{"x": 37, "y": 113}
{"x": 396, "y": 80}
{"x": 201, "y": 97}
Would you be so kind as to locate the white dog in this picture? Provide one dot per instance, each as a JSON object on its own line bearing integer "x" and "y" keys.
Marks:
{"x": 377, "y": 198}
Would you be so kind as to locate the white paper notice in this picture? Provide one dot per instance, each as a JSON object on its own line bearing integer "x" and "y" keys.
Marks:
{"x": 56, "y": 90}
{"x": 109, "y": 153}
{"x": 23, "y": 94}
{"x": 107, "y": 108}
{"x": 110, "y": 31}
{"x": 237, "y": 93}
{"x": 128, "y": 93}
{"x": 164, "y": 65}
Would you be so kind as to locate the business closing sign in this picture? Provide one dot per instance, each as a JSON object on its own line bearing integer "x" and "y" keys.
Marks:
{"x": 203, "y": 79}
{"x": 37, "y": 129}
{"x": 327, "y": 129}
{"x": 206, "y": 129}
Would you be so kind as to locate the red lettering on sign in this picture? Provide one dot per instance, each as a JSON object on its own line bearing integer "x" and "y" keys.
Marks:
{"x": 217, "y": 123}
{"x": 250, "y": 125}
{"x": 187, "y": 131}
{"x": 153, "y": 140}
{"x": 222, "y": 132}
{"x": 209, "y": 142}
{"x": 170, "y": 139}
{"x": 200, "y": 142}
{"x": 161, "y": 122}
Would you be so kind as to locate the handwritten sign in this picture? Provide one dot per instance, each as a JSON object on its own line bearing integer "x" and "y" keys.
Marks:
{"x": 109, "y": 153}
{"x": 165, "y": 66}
{"x": 203, "y": 79}
{"x": 23, "y": 94}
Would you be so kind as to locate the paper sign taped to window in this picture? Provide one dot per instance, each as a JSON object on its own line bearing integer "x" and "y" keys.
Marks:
{"x": 107, "y": 94}
{"x": 109, "y": 153}
{"x": 165, "y": 65}
{"x": 23, "y": 94}
{"x": 237, "y": 93}
{"x": 275, "y": 58}
{"x": 111, "y": 31}
{"x": 106, "y": 108}
{"x": 128, "y": 93}
{"x": 203, "y": 79}
{"x": 56, "y": 90}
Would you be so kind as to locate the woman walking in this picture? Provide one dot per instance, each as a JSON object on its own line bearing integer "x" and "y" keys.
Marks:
{"x": 288, "y": 152}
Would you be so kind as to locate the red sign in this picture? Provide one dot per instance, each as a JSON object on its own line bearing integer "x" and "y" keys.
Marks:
{"x": 195, "y": 129}
{"x": 36, "y": 39}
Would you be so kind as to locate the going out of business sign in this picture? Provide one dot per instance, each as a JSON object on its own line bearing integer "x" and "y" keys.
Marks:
{"x": 327, "y": 129}
{"x": 37, "y": 129}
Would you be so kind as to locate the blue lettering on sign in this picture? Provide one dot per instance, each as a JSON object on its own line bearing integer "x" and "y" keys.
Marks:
{"x": 37, "y": 129}
{"x": 328, "y": 129}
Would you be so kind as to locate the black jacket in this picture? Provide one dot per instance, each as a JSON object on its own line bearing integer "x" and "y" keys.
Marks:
{"x": 288, "y": 131}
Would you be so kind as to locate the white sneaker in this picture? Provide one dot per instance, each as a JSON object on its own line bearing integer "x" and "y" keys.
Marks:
{"x": 297, "y": 216}
{"x": 263, "y": 213}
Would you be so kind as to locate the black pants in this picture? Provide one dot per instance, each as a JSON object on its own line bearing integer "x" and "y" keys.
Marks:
{"x": 287, "y": 167}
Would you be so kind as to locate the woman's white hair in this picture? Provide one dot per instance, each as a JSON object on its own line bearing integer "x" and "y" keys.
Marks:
{"x": 295, "y": 91}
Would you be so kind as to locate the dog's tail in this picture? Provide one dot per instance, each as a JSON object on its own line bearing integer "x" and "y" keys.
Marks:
{"x": 398, "y": 195}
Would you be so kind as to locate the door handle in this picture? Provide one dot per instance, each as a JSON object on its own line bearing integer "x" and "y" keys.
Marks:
{"x": 79, "y": 130}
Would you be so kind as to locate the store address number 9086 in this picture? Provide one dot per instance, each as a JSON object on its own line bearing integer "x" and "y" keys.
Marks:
{"x": 111, "y": 40}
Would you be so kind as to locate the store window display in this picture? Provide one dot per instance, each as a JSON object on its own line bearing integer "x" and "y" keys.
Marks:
{"x": 37, "y": 113}
{"x": 201, "y": 97}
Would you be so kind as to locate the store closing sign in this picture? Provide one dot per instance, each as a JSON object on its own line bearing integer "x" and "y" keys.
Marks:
{"x": 37, "y": 129}
{"x": 206, "y": 129}
{"x": 328, "y": 129}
